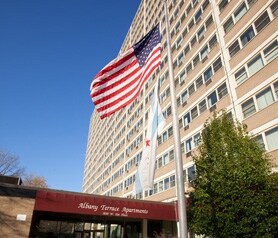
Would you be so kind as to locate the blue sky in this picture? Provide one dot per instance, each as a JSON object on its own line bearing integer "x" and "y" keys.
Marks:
{"x": 49, "y": 52}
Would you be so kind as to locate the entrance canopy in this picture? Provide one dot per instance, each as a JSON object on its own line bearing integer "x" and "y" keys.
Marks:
{"x": 64, "y": 202}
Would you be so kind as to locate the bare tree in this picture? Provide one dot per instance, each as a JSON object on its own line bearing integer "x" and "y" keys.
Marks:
{"x": 34, "y": 181}
{"x": 9, "y": 164}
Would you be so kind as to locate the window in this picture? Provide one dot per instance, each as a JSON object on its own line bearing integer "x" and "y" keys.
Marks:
{"x": 248, "y": 108}
{"x": 184, "y": 96}
{"x": 204, "y": 52}
{"x": 182, "y": 76}
{"x": 198, "y": 15}
{"x": 201, "y": 33}
{"x": 259, "y": 140}
{"x": 276, "y": 88}
{"x": 241, "y": 75}
{"x": 217, "y": 65}
{"x": 171, "y": 154}
{"x": 209, "y": 21}
{"x": 180, "y": 58}
{"x": 212, "y": 42}
{"x": 187, "y": 119}
{"x": 172, "y": 181}
{"x": 188, "y": 67}
{"x": 194, "y": 112}
{"x": 222, "y": 5}
{"x": 271, "y": 51}
{"x": 222, "y": 91}
{"x": 207, "y": 74}
{"x": 240, "y": 11}
{"x": 199, "y": 82}
{"x": 191, "y": 173}
{"x": 160, "y": 186}
{"x": 262, "y": 21}
{"x": 178, "y": 42}
{"x": 189, "y": 8}
{"x": 247, "y": 36}
{"x": 212, "y": 99}
{"x": 228, "y": 25}
{"x": 191, "y": 89}
{"x": 186, "y": 50}
{"x": 193, "y": 41}
{"x": 188, "y": 145}
{"x": 264, "y": 98}
{"x": 274, "y": 8}
{"x": 177, "y": 27}
{"x": 196, "y": 60}
{"x": 194, "y": 2}
{"x": 205, "y": 4}
{"x": 165, "y": 159}
{"x": 202, "y": 106}
{"x": 191, "y": 24}
{"x": 184, "y": 32}
{"x": 197, "y": 139}
{"x": 234, "y": 48}
{"x": 272, "y": 138}
{"x": 166, "y": 183}
{"x": 251, "y": 2}
{"x": 255, "y": 65}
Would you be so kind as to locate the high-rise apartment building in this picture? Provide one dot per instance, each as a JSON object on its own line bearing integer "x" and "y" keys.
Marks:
{"x": 224, "y": 56}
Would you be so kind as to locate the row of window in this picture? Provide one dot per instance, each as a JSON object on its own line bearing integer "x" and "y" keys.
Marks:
{"x": 204, "y": 104}
{"x": 268, "y": 140}
{"x": 189, "y": 144}
{"x": 119, "y": 135}
{"x": 204, "y": 78}
{"x": 134, "y": 144}
{"x": 237, "y": 15}
{"x": 170, "y": 182}
{"x": 195, "y": 19}
{"x": 260, "y": 100}
{"x": 164, "y": 159}
{"x": 118, "y": 147}
{"x": 201, "y": 55}
{"x": 259, "y": 61}
{"x": 249, "y": 33}
{"x": 165, "y": 135}
{"x": 134, "y": 161}
{"x": 134, "y": 129}
{"x": 224, "y": 3}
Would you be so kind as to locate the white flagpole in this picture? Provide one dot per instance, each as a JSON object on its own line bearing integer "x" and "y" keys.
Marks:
{"x": 183, "y": 233}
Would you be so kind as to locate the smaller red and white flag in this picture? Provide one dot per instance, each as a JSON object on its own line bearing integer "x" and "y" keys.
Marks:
{"x": 119, "y": 83}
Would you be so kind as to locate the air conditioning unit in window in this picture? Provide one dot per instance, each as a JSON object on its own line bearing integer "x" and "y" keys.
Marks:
{"x": 186, "y": 127}
{"x": 184, "y": 103}
{"x": 188, "y": 154}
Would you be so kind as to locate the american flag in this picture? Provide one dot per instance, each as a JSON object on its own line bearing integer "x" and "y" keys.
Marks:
{"x": 119, "y": 83}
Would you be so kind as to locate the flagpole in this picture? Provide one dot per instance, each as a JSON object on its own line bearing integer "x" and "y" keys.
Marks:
{"x": 183, "y": 233}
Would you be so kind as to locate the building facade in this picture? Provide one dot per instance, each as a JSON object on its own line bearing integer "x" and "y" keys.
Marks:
{"x": 224, "y": 57}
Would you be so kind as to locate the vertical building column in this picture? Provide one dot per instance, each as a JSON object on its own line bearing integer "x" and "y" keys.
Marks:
{"x": 225, "y": 56}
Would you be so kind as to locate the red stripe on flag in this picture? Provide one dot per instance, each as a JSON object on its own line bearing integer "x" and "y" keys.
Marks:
{"x": 143, "y": 77}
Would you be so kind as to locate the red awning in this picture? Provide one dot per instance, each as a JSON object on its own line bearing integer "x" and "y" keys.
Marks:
{"x": 76, "y": 203}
